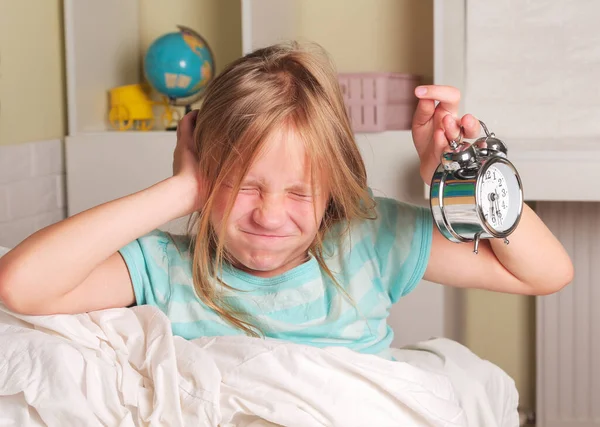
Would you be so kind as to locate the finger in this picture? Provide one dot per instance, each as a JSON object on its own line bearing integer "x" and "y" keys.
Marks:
{"x": 448, "y": 96}
{"x": 424, "y": 112}
{"x": 440, "y": 144}
{"x": 452, "y": 129}
{"x": 471, "y": 126}
{"x": 187, "y": 123}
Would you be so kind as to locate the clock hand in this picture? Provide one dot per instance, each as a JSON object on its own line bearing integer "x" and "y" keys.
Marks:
{"x": 491, "y": 197}
{"x": 496, "y": 201}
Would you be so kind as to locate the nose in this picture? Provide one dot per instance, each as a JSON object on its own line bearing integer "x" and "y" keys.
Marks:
{"x": 271, "y": 213}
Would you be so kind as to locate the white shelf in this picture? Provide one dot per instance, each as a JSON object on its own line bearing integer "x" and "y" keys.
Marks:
{"x": 125, "y": 162}
{"x": 103, "y": 166}
{"x": 558, "y": 170}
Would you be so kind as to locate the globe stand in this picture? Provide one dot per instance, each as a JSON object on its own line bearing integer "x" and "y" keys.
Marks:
{"x": 187, "y": 106}
{"x": 178, "y": 54}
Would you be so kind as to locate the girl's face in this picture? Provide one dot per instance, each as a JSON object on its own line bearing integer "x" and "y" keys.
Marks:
{"x": 272, "y": 222}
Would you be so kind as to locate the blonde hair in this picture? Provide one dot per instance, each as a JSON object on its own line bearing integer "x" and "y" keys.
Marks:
{"x": 284, "y": 84}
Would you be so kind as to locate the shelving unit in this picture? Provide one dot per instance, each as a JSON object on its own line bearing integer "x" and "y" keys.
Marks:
{"x": 97, "y": 60}
{"x": 104, "y": 43}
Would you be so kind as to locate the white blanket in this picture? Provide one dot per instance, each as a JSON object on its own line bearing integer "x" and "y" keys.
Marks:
{"x": 123, "y": 367}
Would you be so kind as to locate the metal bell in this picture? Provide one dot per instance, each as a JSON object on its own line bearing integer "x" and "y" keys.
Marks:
{"x": 489, "y": 145}
{"x": 464, "y": 157}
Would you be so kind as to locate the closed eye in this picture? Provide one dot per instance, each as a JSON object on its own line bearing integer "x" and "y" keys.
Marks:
{"x": 245, "y": 190}
{"x": 301, "y": 195}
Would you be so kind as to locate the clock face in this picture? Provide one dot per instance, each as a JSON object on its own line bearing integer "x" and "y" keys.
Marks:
{"x": 494, "y": 197}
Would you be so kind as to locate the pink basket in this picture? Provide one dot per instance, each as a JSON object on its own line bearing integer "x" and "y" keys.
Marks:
{"x": 379, "y": 101}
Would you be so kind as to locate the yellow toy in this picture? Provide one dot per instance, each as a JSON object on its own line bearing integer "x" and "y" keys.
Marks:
{"x": 131, "y": 108}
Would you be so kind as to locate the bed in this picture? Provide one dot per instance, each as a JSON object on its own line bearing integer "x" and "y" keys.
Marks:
{"x": 123, "y": 367}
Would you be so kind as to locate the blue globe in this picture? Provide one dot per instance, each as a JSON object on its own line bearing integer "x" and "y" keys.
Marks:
{"x": 179, "y": 65}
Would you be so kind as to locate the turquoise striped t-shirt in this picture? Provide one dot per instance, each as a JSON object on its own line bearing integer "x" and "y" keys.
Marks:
{"x": 379, "y": 261}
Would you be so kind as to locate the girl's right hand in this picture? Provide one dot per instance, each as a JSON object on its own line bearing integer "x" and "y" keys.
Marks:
{"x": 185, "y": 163}
{"x": 47, "y": 273}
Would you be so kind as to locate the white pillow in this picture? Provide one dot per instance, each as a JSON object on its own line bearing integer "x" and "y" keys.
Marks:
{"x": 3, "y": 250}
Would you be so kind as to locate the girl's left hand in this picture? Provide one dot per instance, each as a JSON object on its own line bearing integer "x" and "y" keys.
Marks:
{"x": 435, "y": 125}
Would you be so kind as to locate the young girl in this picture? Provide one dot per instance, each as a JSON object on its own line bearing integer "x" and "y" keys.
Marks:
{"x": 288, "y": 241}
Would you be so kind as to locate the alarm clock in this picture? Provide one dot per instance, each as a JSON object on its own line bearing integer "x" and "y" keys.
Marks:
{"x": 476, "y": 192}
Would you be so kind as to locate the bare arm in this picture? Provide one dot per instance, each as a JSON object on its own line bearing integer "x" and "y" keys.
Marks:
{"x": 73, "y": 266}
{"x": 534, "y": 262}
{"x": 81, "y": 250}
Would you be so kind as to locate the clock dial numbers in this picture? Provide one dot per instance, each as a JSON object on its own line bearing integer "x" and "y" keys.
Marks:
{"x": 494, "y": 197}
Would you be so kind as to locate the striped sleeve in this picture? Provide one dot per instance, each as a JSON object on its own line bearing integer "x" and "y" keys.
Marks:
{"x": 148, "y": 264}
{"x": 402, "y": 245}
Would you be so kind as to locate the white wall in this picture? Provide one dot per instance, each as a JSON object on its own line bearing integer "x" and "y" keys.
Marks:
{"x": 532, "y": 72}
{"x": 533, "y": 67}
{"x": 32, "y": 117}
{"x": 31, "y": 188}
{"x": 32, "y": 96}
